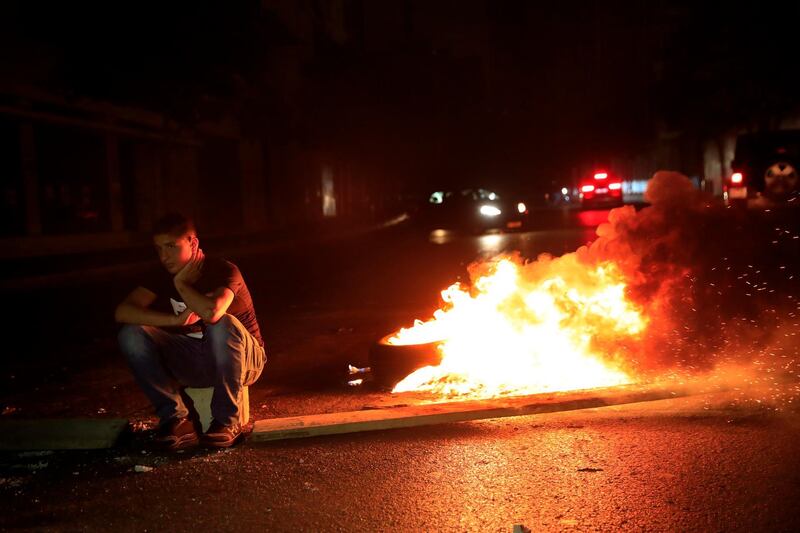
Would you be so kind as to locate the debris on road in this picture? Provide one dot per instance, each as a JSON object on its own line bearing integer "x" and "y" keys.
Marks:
{"x": 142, "y": 468}
{"x": 355, "y": 370}
{"x": 39, "y": 453}
{"x": 35, "y": 466}
{"x": 142, "y": 425}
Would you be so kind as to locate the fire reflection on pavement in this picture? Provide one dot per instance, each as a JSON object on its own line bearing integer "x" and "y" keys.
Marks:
{"x": 593, "y": 218}
{"x": 488, "y": 244}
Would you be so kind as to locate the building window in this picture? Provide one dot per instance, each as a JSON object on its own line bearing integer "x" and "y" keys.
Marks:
{"x": 73, "y": 183}
{"x": 12, "y": 191}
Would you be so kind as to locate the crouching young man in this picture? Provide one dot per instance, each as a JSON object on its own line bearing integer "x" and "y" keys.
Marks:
{"x": 191, "y": 324}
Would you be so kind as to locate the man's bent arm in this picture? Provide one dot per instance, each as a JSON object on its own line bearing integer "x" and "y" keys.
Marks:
{"x": 209, "y": 307}
{"x": 134, "y": 310}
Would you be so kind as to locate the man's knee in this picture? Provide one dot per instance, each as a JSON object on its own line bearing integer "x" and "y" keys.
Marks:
{"x": 226, "y": 340}
{"x": 133, "y": 341}
{"x": 224, "y": 329}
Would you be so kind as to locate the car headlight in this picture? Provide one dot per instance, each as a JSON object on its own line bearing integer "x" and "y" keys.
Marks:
{"x": 489, "y": 211}
{"x": 521, "y": 207}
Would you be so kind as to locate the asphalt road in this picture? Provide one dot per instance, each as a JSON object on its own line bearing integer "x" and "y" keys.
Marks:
{"x": 720, "y": 462}
{"x": 693, "y": 464}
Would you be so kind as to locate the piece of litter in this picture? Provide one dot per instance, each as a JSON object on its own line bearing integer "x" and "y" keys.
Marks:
{"x": 140, "y": 425}
{"x": 355, "y": 382}
{"x": 41, "y": 453}
{"x": 142, "y": 468}
{"x": 355, "y": 370}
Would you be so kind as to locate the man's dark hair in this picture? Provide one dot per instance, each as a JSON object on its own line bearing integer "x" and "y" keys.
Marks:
{"x": 174, "y": 224}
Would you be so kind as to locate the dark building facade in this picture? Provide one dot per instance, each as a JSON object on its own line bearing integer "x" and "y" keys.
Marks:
{"x": 82, "y": 176}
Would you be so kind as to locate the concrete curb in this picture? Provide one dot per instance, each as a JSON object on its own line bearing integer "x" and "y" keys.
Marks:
{"x": 458, "y": 411}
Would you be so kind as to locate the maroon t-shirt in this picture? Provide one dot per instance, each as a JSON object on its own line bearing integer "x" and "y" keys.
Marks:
{"x": 216, "y": 273}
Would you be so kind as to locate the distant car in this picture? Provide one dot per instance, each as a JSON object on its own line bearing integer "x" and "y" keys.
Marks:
{"x": 764, "y": 167}
{"x": 601, "y": 189}
{"x": 560, "y": 196}
{"x": 475, "y": 210}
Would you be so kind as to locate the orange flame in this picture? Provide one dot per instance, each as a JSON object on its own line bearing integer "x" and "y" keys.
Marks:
{"x": 527, "y": 328}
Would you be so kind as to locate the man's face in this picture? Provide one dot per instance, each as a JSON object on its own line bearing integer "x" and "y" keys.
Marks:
{"x": 174, "y": 252}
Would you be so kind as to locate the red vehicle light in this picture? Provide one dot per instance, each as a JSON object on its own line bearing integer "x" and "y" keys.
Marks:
{"x": 601, "y": 175}
{"x": 615, "y": 186}
{"x": 737, "y": 178}
{"x": 587, "y": 188}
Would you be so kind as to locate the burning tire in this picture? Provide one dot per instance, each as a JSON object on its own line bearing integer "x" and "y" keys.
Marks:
{"x": 390, "y": 363}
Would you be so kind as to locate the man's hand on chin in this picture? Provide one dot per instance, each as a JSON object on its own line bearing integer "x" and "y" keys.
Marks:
{"x": 191, "y": 272}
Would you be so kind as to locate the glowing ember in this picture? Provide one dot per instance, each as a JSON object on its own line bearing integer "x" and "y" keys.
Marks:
{"x": 523, "y": 329}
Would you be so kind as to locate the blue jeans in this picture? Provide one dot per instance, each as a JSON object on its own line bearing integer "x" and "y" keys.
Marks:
{"x": 227, "y": 358}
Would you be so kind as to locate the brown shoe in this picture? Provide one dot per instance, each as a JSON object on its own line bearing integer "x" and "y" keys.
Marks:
{"x": 221, "y": 436}
{"x": 177, "y": 434}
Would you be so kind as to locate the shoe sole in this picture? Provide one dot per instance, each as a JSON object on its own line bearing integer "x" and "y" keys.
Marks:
{"x": 182, "y": 442}
{"x": 224, "y": 444}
